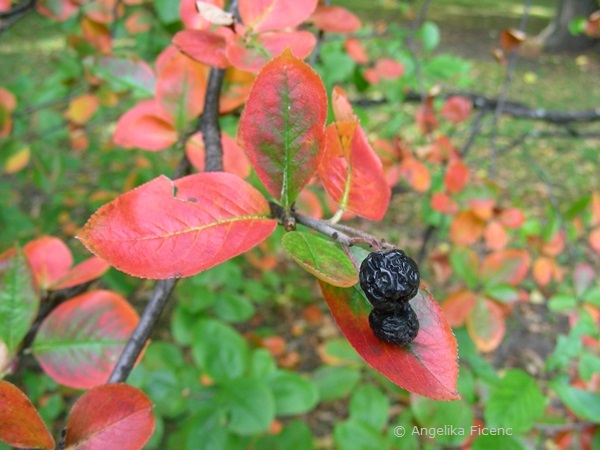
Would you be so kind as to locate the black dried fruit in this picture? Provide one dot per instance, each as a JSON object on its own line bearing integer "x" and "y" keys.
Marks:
{"x": 397, "y": 327}
{"x": 389, "y": 279}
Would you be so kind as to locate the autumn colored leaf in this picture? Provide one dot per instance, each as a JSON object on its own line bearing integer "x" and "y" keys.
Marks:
{"x": 425, "y": 117}
{"x": 456, "y": 177}
{"x": 87, "y": 270}
{"x": 486, "y": 325}
{"x": 505, "y": 266}
{"x": 309, "y": 204}
{"x": 235, "y": 90}
{"x": 139, "y": 22}
{"x": 192, "y": 18}
{"x": 97, "y": 34}
{"x": 356, "y": 182}
{"x": 456, "y": 109}
{"x": 495, "y": 235}
{"x": 22, "y": 425}
{"x": 268, "y": 15}
{"x": 78, "y": 344}
{"x": 166, "y": 228}
{"x": 389, "y": 69}
{"x": 555, "y": 245}
{"x": 8, "y": 103}
{"x": 125, "y": 73}
{"x": 321, "y": 257}
{"x": 82, "y": 108}
{"x": 594, "y": 207}
{"x": 442, "y": 202}
{"x": 282, "y": 126}
{"x": 234, "y": 158}
{"x": 252, "y": 56}
{"x": 427, "y": 366}
{"x": 16, "y": 158}
{"x": 50, "y": 260}
{"x": 583, "y": 277}
{"x": 458, "y": 306}
{"x": 543, "y": 270}
{"x": 335, "y": 19}
{"x": 19, "y": 304}
{"x": 466, "y": 228}
{"x": 416, "y": 174}
{"x": 342, "y": 108}
{"x": 204, "y": 46}
{"x": 511, "y": 38}
{"x": 145, "y": 126}
{"x": 57, "y": 10}
{"x": 180, "y": 89}
{"x": 356, "y": 51}
{"x": 109, "y": 414}
{"x": 595, "y": 240}
{"x": 512, "y": 217}
{"x": 483, "y": 208}
{"x": 103, "y": 11}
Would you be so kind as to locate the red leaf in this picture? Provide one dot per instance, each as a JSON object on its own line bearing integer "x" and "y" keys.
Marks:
{"x": 50, "y": 260}
{"x": 442, "y": 202}
{"x": 166, "y": 229}
{"x": 512, "y": 217}
{"x": 79, "y": 343}
{"x": 204, "y": 46}
{"x": 234, "y": 158}
{"x": 595, "y": 239}
{"x": 265, "y": 15}
{"x": 88, "y": 270}
{"x": 389, "y": 69}
{"x": 466, "y": 228}
{"x": 342, "y": 109}
{"x": 145, "y": 126}
{"x": 495, "y": 236}
{"x": 180, "y": 89}
{"x": 110, "y": 414}
{"x": 555, "y": 245}
{"x": 505, "y": 266}
{"x": 457, "y": 109}
{"x": 266, "y": 46}
{"x": 282, "y": 126}
{"x": 425, "y": 117}
{"x": 456, "y": 177}
{"x": 192, "y": 18}
{"x": 356, "y": 182}
{"x": 427, "y": 366}
{"x": 457, "y": 307}
{"x": 486, "y": 325}
{"x": 22, "y": 425}
{"x": 356, "y": 51}
{"x": 335, "y": 19}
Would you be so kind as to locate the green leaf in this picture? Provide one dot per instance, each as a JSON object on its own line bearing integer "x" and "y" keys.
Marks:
{"x": 293, "y": 394}
{"x": 466, "y": 384}
{"x": 321, "y": 257}
{"x": 262, "y": 363}
{"x": 233, "y": 307}
{"x": 583, "y": 403}
{"x": 355, "y": 435}
{"x": 400, "y": 433}
{"x": 219, "y": 350}
{"x": 167, "y": 10}
{"x": 206, "y": 427}
{"x": 369, "y": 405}
{"x": 577, "y": 25}
{"x": 465, "y": 264}
{"x": 433, "y": 414}
{"x": 340, "y": 348}
{"x": 561, "y": 302}
{"x": 498, "y": 442}
{"x": 335, "y": 382}
{"x": 468, "y": 353}
{"x": 588, "y": 365}
{"x": 515, "y": 402}
{"x": 19, "y": 303}
{"x": 503, "y": 293}
{"x": 249, "y": 404}
{"x": 593, "y": 296}
{"x": 430, "y": 35}
{"x": 296, "y": 434}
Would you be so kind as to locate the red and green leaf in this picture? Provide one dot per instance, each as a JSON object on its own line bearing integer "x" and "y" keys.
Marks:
{"x": 427, "y": 366}
{"x": 21, "y": 424}
{"x": 486, "y": 325}
{"x": 79, "y": 343}
{"x": 109, "y": 414}
{"x": 321, "y": 257}
{"x": 166, "y": 229}
{"x": 458, "y": 306}
{"x": 282, "y": 126}
{"x": 505, "y": 267}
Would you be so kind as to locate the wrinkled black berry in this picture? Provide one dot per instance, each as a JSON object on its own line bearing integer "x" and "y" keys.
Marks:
{"x": 397, "y": 327}
{"x": 389, "y": 279}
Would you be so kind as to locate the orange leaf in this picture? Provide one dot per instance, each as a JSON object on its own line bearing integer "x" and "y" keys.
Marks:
{"x": 595, "y": 239}
{"x": 466, "y": 228}
{"x": 356, "y": 51}
{"x": 543, "y": 269}
{"x": 235, "y": 159}
{"x": 166, "y": 228}
{"x": 483, "y": 208}
{"x": 425, "y": 117}
{"x": 335, "y": 19}
{"x": 512, "y": 217}
{"x": 82, "y": 108}
{"x": 595, "y": 207}
{"x": 109, "y": 414}
{"x": 495, "y": 236}
{"x": 235, "y": 90}
{"x": 442, "y": 202}
{"x": 22, "y": 425}
{"x": 88, "y": 270}
{"x": 457, "y": 307}
{"x": 555, "y": 246}
{"x": 427, "y": 366}
{"x": 486, "y": 325}
{"x": 511, "y": 39}
{"x": 204, "y": 46}
{"x": 97, "y": 34}
{"x": 505, "y": 266}
{"x": 416, "y": 174}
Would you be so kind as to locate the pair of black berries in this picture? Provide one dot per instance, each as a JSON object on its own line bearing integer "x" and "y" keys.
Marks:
{"x": 390, "y": 279}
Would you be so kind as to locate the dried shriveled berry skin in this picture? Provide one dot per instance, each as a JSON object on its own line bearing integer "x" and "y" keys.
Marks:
{"x": 389, "y": 279}
{"x": 397, "y": 327}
